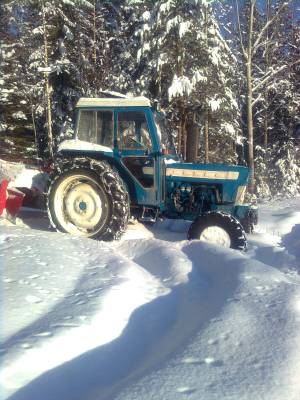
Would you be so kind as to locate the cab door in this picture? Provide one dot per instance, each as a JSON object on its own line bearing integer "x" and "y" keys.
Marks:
{"x": 136, "y": 152}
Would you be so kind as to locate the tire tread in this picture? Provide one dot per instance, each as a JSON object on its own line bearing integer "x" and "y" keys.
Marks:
{"x": 225, "y": 221}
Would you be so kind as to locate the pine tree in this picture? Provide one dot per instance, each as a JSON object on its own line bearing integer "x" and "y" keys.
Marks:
{"x": 84, "y": 55}
{"x": 15, "y": 97}
{"x": 188, "y": 68}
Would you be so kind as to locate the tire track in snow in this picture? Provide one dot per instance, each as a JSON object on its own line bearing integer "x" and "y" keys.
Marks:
{"x": 194, "y": 300}
{"x": 246, "y": 355}
{"x": 153, "y": 332}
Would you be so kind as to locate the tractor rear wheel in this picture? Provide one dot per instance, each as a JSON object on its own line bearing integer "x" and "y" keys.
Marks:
{"x": 87, "y": 198}
{"x": 220, "y": 229}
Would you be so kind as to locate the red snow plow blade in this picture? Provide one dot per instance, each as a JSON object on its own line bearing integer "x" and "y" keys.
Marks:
{"x": 10, "y": 199}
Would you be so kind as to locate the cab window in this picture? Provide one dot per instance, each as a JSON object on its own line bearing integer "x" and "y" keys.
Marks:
{"x": 96, "y": 127}
{"x": 133, "y": 131}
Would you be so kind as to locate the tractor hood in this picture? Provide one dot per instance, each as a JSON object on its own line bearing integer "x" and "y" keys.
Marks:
{"x": 230, "y": 179}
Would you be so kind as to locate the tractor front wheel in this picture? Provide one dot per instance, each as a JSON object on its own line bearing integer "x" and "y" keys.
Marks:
{"x": 220, "y": 229}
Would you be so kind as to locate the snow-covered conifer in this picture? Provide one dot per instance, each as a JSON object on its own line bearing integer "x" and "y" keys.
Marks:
{"x": 187, "y": 67}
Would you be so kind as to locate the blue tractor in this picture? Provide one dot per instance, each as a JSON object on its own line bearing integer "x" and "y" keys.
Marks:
{"x": 121, "y": 163}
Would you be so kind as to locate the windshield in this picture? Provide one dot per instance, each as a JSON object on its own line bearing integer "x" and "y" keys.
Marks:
{"x": 164, "y": 133}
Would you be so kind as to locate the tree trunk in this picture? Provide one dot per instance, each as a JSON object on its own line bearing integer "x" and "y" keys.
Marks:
{"x": 47, "y": 86}
{"x": 179, "y": 128}
{"x": 192, "y": 140}
{"x": 206, "y": 137}
{"x": 94, "y": 55}
{"x": 94, "y": 37}
{"x": 181, "y": 106}
{"x": 206, "y": 116}
{"x": 250, "y": 100}
{"x": 179, "y": 139}
{"x": 34, "y": 125}
{"x": 266, "y": 114}
{"x": 184, "y": 134}
{"x": 266, "y": 131}
{"x": 181, "y": 146}
{"x": 250, "y": 127}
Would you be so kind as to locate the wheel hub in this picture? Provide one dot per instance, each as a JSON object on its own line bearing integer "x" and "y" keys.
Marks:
{"x": 83, "y": 205}
{"x": 215, "y": 235}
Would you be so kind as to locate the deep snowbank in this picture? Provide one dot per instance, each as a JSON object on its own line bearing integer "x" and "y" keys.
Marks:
{"x": 152, "y": 316}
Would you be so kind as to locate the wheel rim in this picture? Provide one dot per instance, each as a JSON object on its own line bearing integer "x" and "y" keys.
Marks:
{"x": 80, "y": 205}
{"x": 215, "y": 235}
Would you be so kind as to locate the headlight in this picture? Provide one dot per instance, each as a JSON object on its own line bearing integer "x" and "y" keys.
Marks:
{"x": 185, "y": 187}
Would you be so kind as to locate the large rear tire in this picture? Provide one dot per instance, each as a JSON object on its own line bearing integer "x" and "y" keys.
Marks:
{"x": 87, "y": 198}
{"x": 220, "y": 229}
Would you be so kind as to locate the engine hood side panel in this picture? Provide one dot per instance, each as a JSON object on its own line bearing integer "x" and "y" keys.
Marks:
{"x": 227, "y": 177}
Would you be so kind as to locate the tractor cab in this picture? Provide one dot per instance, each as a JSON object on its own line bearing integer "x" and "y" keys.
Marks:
{"x": 128, "y": 133}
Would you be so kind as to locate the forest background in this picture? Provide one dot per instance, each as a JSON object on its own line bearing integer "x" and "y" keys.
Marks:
{"x": 226, "y": 74}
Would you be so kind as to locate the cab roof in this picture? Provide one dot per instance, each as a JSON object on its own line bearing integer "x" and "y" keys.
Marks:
{"x": 113, "y": 102}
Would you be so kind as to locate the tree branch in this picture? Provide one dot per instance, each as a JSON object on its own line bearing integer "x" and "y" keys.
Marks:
{"x": 263, "y": 78}
{"x": 260, "y": 84}
{"x": 239, "y": 30}
{"x": 257, "y": 99}
{"x": 270, "y": 22}
{"x": 258, "y": 68}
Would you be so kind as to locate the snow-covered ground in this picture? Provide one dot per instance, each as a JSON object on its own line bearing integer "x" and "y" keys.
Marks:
{"x": 152, "y": 316}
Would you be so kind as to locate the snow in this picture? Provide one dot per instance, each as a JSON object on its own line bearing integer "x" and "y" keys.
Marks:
{"x": 19, "y": 115}
{"x": 229, "y": 128}
{"x": 214, "y": 104}
{"x": 74, "y": 144}
{"x": 184, "y": 28}
{"x": 143, "y": 50}
{"x": 21, "y": 176}
{"x": 151, "y": 316}
{"x": 8, "y": 54}
{"x": 180, "y": 86}
{"x": 114, "y": 94}
{"x": 173, "y": 22}
{"x": 38, "y": 30}
{"x": 198, "y": 77}
{"x": 166, "y": 6}
{"x": 215, "y": 56}
{"x": 170, "y": 161}
{"x": 146, "y": 16}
